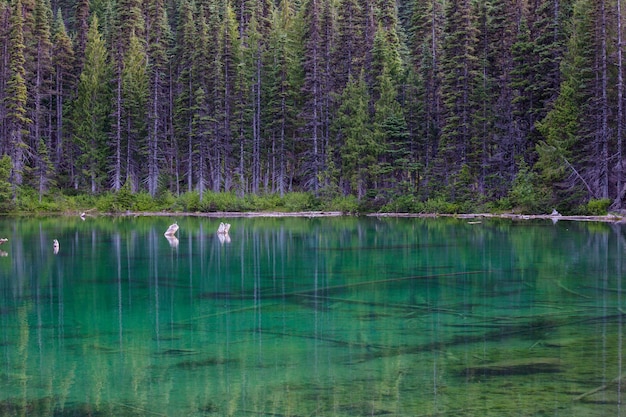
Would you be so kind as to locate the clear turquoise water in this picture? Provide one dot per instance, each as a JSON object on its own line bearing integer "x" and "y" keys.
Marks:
{"x": 311, "y": 317}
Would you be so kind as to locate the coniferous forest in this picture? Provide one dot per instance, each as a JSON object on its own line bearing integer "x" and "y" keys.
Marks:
{"x": 403, "y": 105}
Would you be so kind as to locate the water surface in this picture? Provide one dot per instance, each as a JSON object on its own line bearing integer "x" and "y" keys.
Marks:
{"x": 311, "y": 317}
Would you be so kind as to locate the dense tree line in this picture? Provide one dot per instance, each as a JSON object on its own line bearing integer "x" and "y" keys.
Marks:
{"x": 512, "y": 103}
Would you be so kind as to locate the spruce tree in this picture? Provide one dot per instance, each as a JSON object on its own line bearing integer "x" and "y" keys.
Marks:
{"x": 358, "y": 148}
{"x": 63, "y": 63}
{"x": 562, "y": 154}
{"x": 17, "y": 120}
{"x": 459, "y": 65}
{"x": 91, "y": 115}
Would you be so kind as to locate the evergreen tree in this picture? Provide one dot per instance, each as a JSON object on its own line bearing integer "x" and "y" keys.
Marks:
{"x": 426, "y": 43}
{"x": 43, "y": 169}
{"x": 41, "y": 78}
{"x": 230, "y": 96}
{"x": 6, "y": 202}
{"x": 280, "y": 92}
{"x": 63, "y": 63}
{"x": 81, "y": 29}
{"x": 185, "y": 88}
{"x": 91, "y": 114}
{"x": 562, "y": 158}
{"x": 459, "y": 65}
{"x": 395, "y": 168}
{"x": 135, "y": 84}
{"x": 16, "y": 97}
{"x": 358, "y": 148}
{"x": 349, "y": 54}
{"x": 158, "y": 39}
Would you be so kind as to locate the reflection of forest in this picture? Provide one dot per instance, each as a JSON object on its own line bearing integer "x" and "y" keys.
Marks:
{"x": 342, "y": 316}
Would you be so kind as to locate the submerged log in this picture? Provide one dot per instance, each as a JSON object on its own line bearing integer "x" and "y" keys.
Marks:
{"x": 525, "y": 366}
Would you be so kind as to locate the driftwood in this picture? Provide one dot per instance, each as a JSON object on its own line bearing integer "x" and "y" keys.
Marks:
{"x": 617, "y": 380}
{"x": 171, "y": 231}
{"x": 223, "y": 228}
{"x": 3, "y": 240}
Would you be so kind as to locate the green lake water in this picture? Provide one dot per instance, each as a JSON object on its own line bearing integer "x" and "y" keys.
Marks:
{"x": 311, "y": 317}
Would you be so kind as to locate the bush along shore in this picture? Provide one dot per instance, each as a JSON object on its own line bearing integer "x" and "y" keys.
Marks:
{"x": 223, "y": 204}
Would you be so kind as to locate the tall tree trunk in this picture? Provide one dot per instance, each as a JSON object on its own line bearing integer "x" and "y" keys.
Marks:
{"x": 604, "y": 138}
{"x": 620, "y": 109}
{"x": 117, "y": 164}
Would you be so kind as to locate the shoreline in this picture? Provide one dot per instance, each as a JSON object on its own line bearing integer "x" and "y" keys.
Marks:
{"x": 609, "y": 218}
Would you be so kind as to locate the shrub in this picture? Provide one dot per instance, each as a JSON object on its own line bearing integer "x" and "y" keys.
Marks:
{"x": 298, "y": 201}
{"x": 440, "y": 205}
{"x": 595, "y": 207}
{"x": 189, "y": 201}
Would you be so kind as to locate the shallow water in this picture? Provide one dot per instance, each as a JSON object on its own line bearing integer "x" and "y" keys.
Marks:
{"x": 311, "y": 317}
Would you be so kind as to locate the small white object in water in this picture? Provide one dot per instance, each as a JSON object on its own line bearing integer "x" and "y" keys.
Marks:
{"x": 55, "y": 246}
{"x": 223, "y": 228}
{"x": 171, "y": 230}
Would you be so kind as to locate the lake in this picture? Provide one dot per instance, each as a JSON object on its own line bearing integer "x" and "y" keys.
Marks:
{"x": 342, "y": 316}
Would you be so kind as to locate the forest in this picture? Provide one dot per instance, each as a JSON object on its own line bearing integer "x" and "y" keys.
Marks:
{"x": 390, "y": 105}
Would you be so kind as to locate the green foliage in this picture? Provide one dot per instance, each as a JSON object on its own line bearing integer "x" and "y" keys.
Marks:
{"x": 6, "y": 198}
{"x": 144, "y": 202}
{"x": 213, "y": 201}
{"x": 526, "y": 195}
{"x": 189, "y": 202}
{"x": 439, "y": 205}
{"x": 345, "y": 204}
{"x": 595, "y": 207}
{"x": 298, "y": 201}
{"x": 403, "y": 204}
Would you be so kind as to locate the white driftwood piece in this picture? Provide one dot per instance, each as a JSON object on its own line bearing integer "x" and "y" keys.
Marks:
{"x": 223, "y": 228}
{"x": 171, "y": 231}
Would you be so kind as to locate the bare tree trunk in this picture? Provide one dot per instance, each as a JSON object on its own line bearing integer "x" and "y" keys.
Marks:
{"x": 153, "y": 139}
{"x": 604, "y": 139}
{"x": 117, "y": 170}
{"x": 256, "y": 126}
{"x": 620, "y": 108}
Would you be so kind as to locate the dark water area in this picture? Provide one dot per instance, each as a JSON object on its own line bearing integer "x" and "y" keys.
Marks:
{"x": 311, "y": 317}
